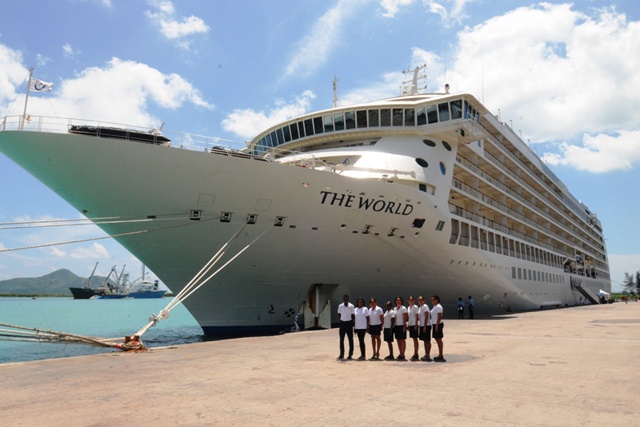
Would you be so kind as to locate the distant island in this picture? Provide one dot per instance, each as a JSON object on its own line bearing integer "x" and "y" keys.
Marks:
{"x": 52, "y": 284}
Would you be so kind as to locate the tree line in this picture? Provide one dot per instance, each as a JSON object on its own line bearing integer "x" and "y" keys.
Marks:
{"x": 631, "y": 282}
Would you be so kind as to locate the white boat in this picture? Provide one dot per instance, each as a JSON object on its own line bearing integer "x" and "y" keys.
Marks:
{"x": 144, "y": 288}
{"x": 415, "y": 195}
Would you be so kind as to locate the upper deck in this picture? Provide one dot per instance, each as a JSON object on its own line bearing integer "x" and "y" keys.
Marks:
{"x": 433, "y": 113}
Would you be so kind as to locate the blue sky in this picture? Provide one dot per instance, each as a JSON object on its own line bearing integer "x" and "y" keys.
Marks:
{"x": 564, "y": 75}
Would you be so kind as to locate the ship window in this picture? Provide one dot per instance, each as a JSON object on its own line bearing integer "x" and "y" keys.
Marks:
{"x": 498, "y": 245}
{"x": 454, "y": 231}
{"x": 272, "y": 142}
{"x": 350, "y": 119}
{"x": 385, "y": 117}
{"x": 301, "y": 129}
{"x": 443, "y": 110}
{"x": 421, "y": 114}
{"x": 317, "y": 124}
{"x": 287, "y": 134}
{"x": 422, "y": 162}
{"x": 409, "y": 117}
{"x": 443, "y": 169}
{"x": 432, "y": 114}
{"x": 338, "y": 120}
{"x": 492, "y": 246}
{"x": 429, "y": 142}
{"x": 418, "y": 223}
{"x": 374, "y": 119}
{"x": 328, "y": 123}
{"x": 422, "y": 187}
{"x": 513, "y": 273}
{"x": 446, "y": 145}
{"x": 294, "y": 131}
{"x": 456, "y": 109}
{"x": 308, "y": 127}
{"x": 440, "y": 225}
{"x": 474, "y": 236}
{"x": 464, "y": 234}
{"x": 361, "y": 117}
{"x": 280, "y": 136}
{"x": 397, "y": 117}
{"x": 519, "y": 273}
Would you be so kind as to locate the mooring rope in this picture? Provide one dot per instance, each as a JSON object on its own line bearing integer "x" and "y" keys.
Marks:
{"x": 131, "y": 233}
{"x": 193, "y": 284}
{"x": 132, "y": 343}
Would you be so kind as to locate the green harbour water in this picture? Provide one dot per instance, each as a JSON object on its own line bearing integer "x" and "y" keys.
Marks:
{"x": 96, "y": 318}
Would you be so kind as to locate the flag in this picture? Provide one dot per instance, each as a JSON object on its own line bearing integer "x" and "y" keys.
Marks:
{"x": 40, "y": 86}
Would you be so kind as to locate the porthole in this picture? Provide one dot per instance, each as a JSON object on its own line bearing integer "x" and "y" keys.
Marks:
{"x": 443, "y": 169}
{"x": 446, "y": 145}
{"x": 429, "y": 142}
{"x": 422, "y": 162}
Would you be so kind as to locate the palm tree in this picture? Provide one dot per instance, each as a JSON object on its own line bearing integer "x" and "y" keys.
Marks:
{"x": 629, "y": 282}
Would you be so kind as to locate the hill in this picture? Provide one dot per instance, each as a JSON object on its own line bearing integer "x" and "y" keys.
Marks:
{"x": 56, "y": 283}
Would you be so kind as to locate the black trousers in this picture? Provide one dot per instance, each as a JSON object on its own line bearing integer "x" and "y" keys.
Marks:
{"x": 346, "y": 328}
{"x": 361, "y": 333}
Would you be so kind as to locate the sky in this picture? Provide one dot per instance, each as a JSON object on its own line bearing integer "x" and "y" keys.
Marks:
{"x": 565, "y": 76}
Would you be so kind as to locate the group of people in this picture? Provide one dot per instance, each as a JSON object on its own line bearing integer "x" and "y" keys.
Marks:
{"x": 470, "y": 304}
{"x": 420, "y": 321}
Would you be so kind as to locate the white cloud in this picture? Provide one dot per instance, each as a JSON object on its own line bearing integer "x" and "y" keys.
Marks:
{"x": 559, "y": 74}
{"x": 118, "y": 92}
{"x": 12, "y": 74}
{"x": 392, "y": 7}
{"x": 248, "y": 123}
{"x": 42, "y": 60}
{"x": 313, "y": 51}
{"x": 176, "y": 28}
{"x": 69, "y": 52}
{"x": 453, "y": 15}
{"x": 599, "y": 153}
{"x": 391, "y": 82}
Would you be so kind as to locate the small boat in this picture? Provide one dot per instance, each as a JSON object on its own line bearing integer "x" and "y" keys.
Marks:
{"x": 116, "y": 291}
{"x": 86, "y": 291}
{"x": 144, "y": 288}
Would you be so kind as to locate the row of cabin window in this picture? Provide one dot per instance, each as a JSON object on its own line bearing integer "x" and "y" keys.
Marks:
{"x": 470, "y": 235}
{"x": 368, "y": 118}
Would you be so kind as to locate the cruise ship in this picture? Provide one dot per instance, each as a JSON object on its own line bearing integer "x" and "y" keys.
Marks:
{"x": 420, "y": 194}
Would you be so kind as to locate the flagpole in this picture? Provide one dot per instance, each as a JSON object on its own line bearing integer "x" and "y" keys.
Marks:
{"x": 26, "y": 99}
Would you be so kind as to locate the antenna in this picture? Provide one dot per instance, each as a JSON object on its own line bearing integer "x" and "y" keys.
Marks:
{"x": 335, "y": 91}
{"x": 410, "y": 84}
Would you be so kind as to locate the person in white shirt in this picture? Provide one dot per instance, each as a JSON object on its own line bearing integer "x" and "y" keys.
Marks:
{"x": 424, "y": 324}
{"x": 376, "y": 316}
{"x": 347, "y": 314}
{"x": 412, "y": 315}
{"x": 438, "y": 326}
{"x": 361, "y": 325}
{"x": 400, "y": 328}
{"x": 389, "y": 320}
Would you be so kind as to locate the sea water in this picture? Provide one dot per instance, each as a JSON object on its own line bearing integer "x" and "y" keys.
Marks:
{"x": 111, "y": 318}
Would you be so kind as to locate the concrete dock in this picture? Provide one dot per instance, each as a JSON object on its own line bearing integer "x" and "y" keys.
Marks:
{"x": 573, "y": 366}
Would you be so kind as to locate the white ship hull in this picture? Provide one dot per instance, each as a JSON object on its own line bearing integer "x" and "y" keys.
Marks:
{"x": 341, "y": 234}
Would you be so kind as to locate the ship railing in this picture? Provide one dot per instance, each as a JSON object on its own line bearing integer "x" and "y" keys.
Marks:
{"x": 189, "y": 141}
{"x": 503, "y": 187}
{"x": 503, "y": 208}
{"x": 535, "y": 225}
{"x": 552, "y": 189}
{"x": 479, "y": 219}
